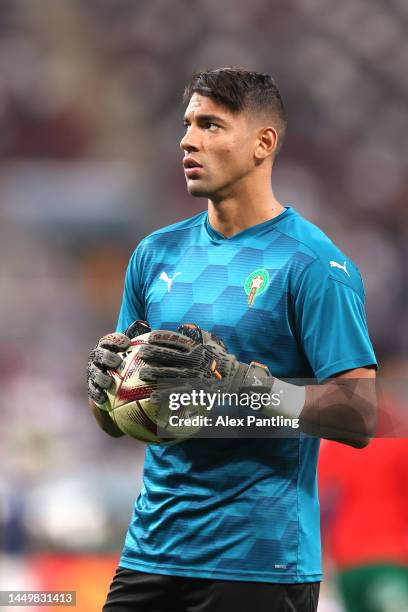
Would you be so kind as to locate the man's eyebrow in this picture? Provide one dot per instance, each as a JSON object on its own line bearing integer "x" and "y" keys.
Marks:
{"x": 206, "y": 118}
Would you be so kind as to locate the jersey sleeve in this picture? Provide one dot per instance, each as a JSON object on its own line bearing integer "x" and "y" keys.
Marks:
{"x": 132, "y": 307}
{"x": 331, "y": 321}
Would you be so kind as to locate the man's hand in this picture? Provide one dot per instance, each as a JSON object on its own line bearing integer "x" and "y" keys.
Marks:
{"x": 104, "y": 356}
{"x": 199, "y": 357}
{"x": 342, "y": 409}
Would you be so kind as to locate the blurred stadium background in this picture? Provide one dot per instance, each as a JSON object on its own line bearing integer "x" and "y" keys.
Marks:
{"x": 90, "y": 120}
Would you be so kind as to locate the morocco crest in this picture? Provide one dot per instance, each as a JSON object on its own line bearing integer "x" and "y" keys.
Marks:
{"x": 255, "y": 284}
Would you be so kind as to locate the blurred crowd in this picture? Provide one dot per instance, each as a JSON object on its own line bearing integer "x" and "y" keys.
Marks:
{"x": 90, "y": 121}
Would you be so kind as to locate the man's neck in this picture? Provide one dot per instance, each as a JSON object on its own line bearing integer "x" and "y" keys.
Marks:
{"x": 233, "y": 215}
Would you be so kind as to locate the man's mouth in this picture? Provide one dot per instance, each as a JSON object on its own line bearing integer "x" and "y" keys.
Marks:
{"x": 192, "y": 168}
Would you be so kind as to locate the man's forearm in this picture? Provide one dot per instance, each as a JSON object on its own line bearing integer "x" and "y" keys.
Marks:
{"x": 343, "y": 409}
{"x": 104, "y": 421}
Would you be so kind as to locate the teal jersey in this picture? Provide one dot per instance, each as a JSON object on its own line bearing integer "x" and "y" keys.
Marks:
{"x": 243, "y": 509}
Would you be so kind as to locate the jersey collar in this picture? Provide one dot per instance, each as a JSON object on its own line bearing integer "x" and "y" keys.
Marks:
{"x": 250, "y": 231}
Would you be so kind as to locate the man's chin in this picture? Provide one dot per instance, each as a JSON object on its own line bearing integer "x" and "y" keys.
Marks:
{"x": 197, "y": 190}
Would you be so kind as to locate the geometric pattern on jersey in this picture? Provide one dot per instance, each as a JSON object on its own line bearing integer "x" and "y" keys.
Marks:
{"x": 242, "y": 509}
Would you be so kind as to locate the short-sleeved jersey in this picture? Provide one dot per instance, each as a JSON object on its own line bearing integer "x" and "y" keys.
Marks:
{"x": 243, "y": 509}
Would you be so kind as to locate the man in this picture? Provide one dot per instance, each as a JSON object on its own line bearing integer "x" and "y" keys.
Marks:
{"x": 233, "y": 524}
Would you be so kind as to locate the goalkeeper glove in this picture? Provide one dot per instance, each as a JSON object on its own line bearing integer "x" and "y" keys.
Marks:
{"x": 104, "y": 356}
{"x": 197, "y": 357}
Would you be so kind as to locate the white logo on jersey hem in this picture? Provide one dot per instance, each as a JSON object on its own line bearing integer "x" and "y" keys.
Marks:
{"x": 334, "y": 264}
{"x": 163, "y": 276}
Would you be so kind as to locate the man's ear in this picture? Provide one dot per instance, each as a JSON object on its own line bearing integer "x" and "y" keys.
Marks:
{"x": 267, "y": 143}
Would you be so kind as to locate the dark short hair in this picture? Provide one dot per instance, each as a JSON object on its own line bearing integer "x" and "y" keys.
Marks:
{"x": 241, "y": 90}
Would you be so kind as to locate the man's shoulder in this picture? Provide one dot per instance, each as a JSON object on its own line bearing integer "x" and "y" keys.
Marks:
{"x": 173, "y": 230}
{"x": 324, "y": 256}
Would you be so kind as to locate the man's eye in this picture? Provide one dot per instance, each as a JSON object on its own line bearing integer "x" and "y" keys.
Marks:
{"x": 212, "y": 126}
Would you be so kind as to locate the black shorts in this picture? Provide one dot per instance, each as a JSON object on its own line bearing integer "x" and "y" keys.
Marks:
{"x": 133, "y": 591}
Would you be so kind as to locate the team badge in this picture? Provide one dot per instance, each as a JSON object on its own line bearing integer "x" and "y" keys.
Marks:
{"x": 256, "y": 283}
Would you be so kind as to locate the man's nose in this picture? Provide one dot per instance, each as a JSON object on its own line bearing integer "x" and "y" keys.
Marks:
{"x": 189, "y": 142}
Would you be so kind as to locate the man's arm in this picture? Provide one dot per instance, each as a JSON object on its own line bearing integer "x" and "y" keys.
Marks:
{"x": 332, "y": 331}
{"x": 343, "y": 409}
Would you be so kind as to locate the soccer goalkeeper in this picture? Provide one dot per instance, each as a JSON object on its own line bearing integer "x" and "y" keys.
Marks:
{"x": 233, "y": 524}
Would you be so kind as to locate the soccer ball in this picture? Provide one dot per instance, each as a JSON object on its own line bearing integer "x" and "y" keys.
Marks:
{"x": 129, "y": 404}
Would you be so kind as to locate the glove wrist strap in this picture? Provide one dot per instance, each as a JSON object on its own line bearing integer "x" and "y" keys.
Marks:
{"x": 252, "y": 378}
{"x": 256, "y": 378}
